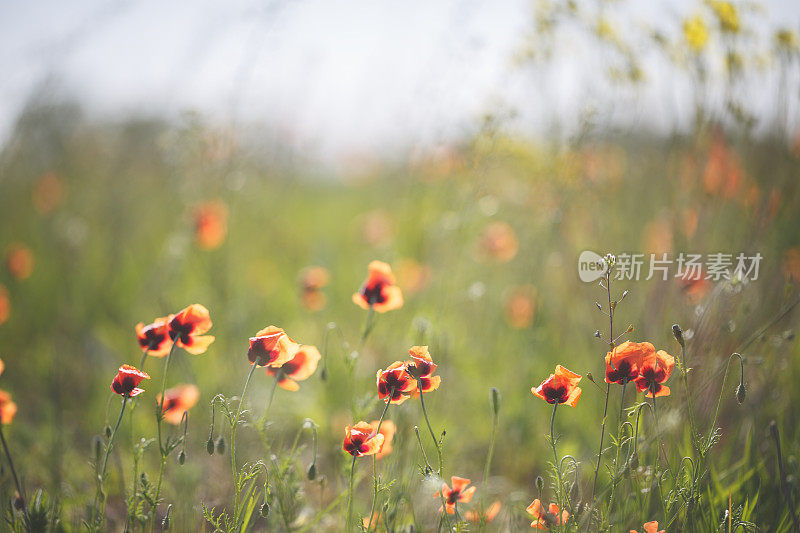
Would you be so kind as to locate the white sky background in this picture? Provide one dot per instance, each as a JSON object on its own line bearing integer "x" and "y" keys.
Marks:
{"x": 336, "y": 78}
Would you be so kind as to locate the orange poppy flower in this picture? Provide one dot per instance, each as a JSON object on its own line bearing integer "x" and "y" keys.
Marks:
{"x": 544, "y": 519}
{"x": 624, "y": 361}
{"x": 560, "y": 387}
{"x": 48, "y": 193}
{"x": 187, "y": 328}
{"x": 210, "y": 224}
{"x": 484, "y": 516}
{"x": 655, "y": 370}
{"x": 379, "y": 291}
{"x": 520, "y": 307}
{"x": 695, "y": 285}
{"x": 19, "y": 261}
{"x": 178, "y": 400}
{"x": 5, "y": 304}
{"x": 300, "y": 367}
{"x": 271, "y": 346}
{"x": 7, "y": 408}
{"x": 499, "y": 242}
{"x": 395, "y": 384}
{"x": 421, "y": 367}
{"x": 377, "y": 518}
{"x": 312, "y": 281}
{"x": 650, "y": 527}
{"x": 458, "y": 493}
{"x": 361, "y": 440}
{"x": 153, "y": 337}
{"x": 388, "y": 429}
{"x": 2, "y": 366}
{"x": 126, "y": 382}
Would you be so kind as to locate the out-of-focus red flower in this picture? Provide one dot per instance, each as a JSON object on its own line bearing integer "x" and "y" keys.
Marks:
{"x": 19, "y": 261}
{"x": 723, "y": 174}
{"x": 126, "y": 382}
{"x": 544, "y": 519}
{"x": 5, "y": 304}
{"x": 177, "y": 401}
{"x": 624, "y": 361}
{"x": 379, "y": 290}
{"x": 484, "y": 516}
{"x": 650, "y": 527}
{"x": 413, "y": 276}
{"x": 790, "y": 264}
{"x": 694, "y": 285}
{"x": 210, "y": 224}
{"x": 153, "y": 338}
{"x": 271, "y": 346}
{"x": 300, "y": 367}
{"x": 377, "y": 228}
{"x": 7, "y": 408}
{"x": 655, "y": 370}
{"x": 658, "y": 236}
{"x": 48, "y": 193}
{"x": 187, "y": 327}
{"x": 498, "y": 242}
{"x": 421, "y": 367}
{"x": 312, "y": 280}
{"x": 458, "y": 493}
{"x": 560, "y": 387}
{"x": 520, "y": 307}
{"x": 395, "y": 384}
{"x": 361, "y": 440}
{"x": 388, "y": 429}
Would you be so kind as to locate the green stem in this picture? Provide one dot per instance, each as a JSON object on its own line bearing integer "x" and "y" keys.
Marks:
{"x": 101, "y": 477}
{"x": 556, "y": 464}
{"x": 615, "y": 478}
{"x": 234, "y": 426}
{"x": 375, "y": 462}
{"x": 430, "y": 429}
{"x": 262, "y": 422}
{"x": 162, "y": 451}
{"x": 349, "y": 523}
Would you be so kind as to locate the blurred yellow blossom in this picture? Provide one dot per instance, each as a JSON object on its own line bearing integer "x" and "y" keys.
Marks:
{"x": 727, "y": 16}
{"x": 695, "y": 32}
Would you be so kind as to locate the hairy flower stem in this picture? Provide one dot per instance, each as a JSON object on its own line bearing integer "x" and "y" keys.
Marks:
{"x": 234, "y": 426}
{"x": 349, "y": 524}
{"x": 375, "y": 462}
{"x": 557, "y": 463}
{"x": 99, "y": 498}
{"x": 161, "y": 448}
{"x": 490, "y": 453}
{"x": 262, "y": 422}
{"x": 433, "y": 435}
{"x": 615, "y": 478}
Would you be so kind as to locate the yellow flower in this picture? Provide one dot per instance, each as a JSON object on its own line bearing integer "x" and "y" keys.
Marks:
{"x": 786, "y": 41}
{"x": 695, "y": 32}
{"x": 727, "y": 16}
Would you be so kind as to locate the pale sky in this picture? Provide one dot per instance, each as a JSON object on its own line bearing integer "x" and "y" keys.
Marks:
{"x": 355, "y": 76}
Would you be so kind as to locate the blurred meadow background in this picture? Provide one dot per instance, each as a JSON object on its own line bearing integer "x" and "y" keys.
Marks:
{"x": 153, "y": 159}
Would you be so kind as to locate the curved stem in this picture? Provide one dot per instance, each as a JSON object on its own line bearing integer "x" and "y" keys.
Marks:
{"x": 262, "y": 422}
{"x": 234, "y": 426}
{"x": 348, "y": 524}
{"x": 162, "y": 451}
{"x": 375, "y": 463}
{"x": 430, "y": 429}
{"x": 102, "y": 475}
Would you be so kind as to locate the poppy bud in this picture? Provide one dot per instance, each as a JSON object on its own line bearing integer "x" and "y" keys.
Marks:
{"x": 210, "y": 446}
{"x": 678, "y": 332}
{"x": 97, "y": 446}
{"x": 634, "y": 460}
{"x": 182, "y": 458}
{"x": 573, "y": 492}
{"x": 312, "y": 472}
{"x": 539, "y": 484}
{"x": 19, "y": 502}
{"x": 220, "y": 446}
{"x": 597, "y": 333}
{"x": 590, "y": 377}
{"x": 165, "y": 522}
{"x": 495, "y": 398}
{"x": 108, "y": 432}
{"x": 740, "y": 393}
{"x": 264, "y": 510}
{"x": 323, "y": 373}
{"x": 773, "y": 429}
{"x": 630, "y": 329}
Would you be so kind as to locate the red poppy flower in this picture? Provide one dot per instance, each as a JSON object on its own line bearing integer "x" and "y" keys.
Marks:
{"x": 300, "y": 367}
{"x": 388, "y": 429}
{"x": 271, "y": 346}
{"x": 177, "y": 401}
{"x": 624, "y": 361}
{"x": 498, "y": 242}
{"x": 459, "y": 493}
{"x": 560, "y": 387}
{"x": 655, "y": 370}
{"x": 650, "y": 527}
{"x": 210, "y": 224}
{"x": 48, "y": 193}
{"x": 544, "y": 519}
{"x": 153, "y": 337}
{"x": 421, "y": 367}
{"x": 2, "y": 366}
{"x": 187, "y": 328}
{"x": 5, "y": 304}
{"x": 7, "y": 408}
{"x": 483, "y": 516}
{"x": 380, "y": 291}
{"x": 361, "y": 440}
{"x": 127, "y": 380}
{"x": 19, "y": 260}
{"x": 395, "y": 384}
{"x": 312, "y": 281}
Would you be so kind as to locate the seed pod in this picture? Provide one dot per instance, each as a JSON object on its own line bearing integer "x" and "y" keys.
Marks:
{"x": 311, "y": 474}
{"x": 108, "y": 432}
{"x": 741, "y": 393}
{"x": 634, "y": 461}
{"x": 210, "y": 446}
{"x": 220, "y": 446}
{"x": 264, "y": 510}
{"x": 19, "y": 502}
{"x": 182, "y": 458}
{"x": 539, "y": 484}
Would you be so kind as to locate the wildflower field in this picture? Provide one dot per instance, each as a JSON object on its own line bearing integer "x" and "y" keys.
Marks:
{"x": 201, "y": 334}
